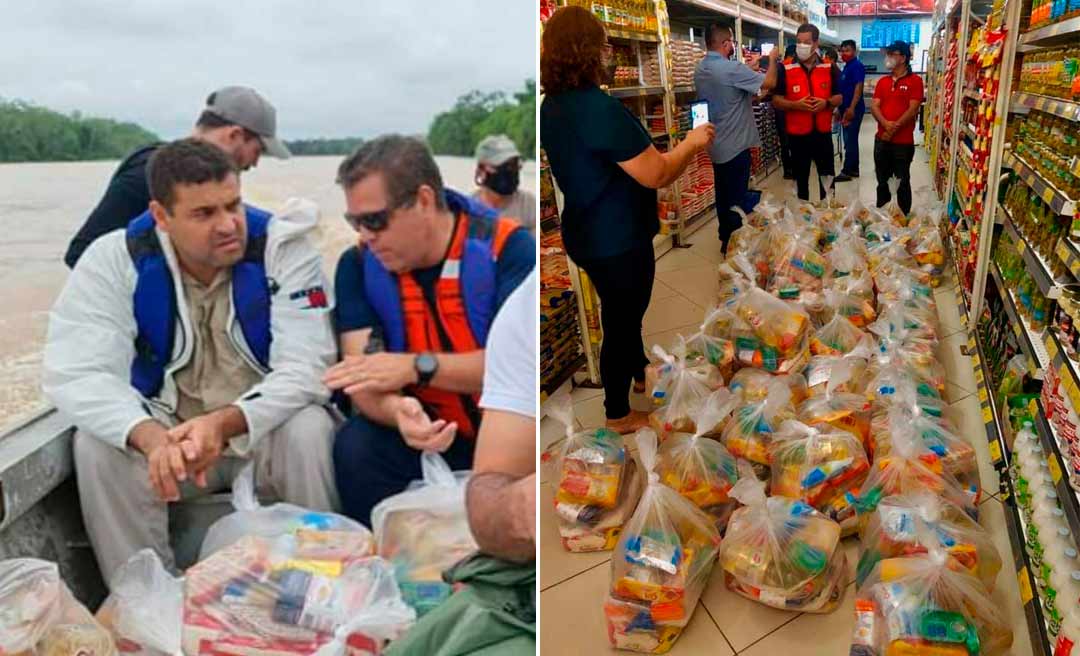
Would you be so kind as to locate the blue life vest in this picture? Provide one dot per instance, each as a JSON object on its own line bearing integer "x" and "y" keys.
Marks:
{"x": 155, "y": 299}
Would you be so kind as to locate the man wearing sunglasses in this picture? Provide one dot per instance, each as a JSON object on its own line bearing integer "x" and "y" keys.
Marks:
{"x": 415, "y": 299}
{"x": 238, "y": 120}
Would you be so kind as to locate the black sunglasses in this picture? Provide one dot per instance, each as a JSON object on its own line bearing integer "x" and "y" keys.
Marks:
{"x": 371, "y": 221}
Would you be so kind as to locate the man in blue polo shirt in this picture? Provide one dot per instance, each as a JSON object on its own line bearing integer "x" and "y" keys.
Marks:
{"x": 728, "y": 85}
{"x": 852, "y": 107}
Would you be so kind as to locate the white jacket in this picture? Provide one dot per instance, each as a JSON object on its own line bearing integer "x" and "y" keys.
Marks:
{"x": 91, "y": 338}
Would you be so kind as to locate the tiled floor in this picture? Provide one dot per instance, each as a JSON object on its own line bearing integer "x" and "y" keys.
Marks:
{"x": 572, "y": 586}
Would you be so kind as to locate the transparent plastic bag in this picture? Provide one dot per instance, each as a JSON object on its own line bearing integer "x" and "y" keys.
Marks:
{"x": 820, "y": 371}
{"x": 856, "y": 308}
{"x": 739, "y": 273}
{"x": 797, "y": 266}
{"x": 837, "y": 337}
{"x": 956, "y": 453}
{"x": 893, "y": 530}
{"x": 906, "y": 297}
{"x": 782, "y": 553}
{"x": 749, "y": 432}
{"x": 424, "y": 530}
{"x": 262, "y": 595}
{"x": 892, "y": 208}
{"x": 847, "y": 257}
{"x": 843, "y": 411}
{"x": 925, "y": 602}
{"x": 661, "y": 564}
{"x": 588, "y": 528}
{"x": 709, "y": 343}
{"x": 928, "y": 250}
{"x": 40, "y": 617}
{"x": 277, "y": 519}
{"x": 590, "y": 463}
{"x": 752, "y": 385}
{"x": 857, "y": 212}
{"x": 768, "y": 210}
{"x": 682, "y": 385}
{"x": 145, "y": 610}
{"x": 818, "y": 466}
{"x": 778, "y": 336}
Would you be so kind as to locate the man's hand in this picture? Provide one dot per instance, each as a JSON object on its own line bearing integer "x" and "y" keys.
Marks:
{"x": 773, "y": 55}
{"x": 810, "y": 104}
{"x": 889, "y": 129}
{"x": 419, "y": 431}
{"x": 753, "y": 60}
{"x": 201, "y": 441}
{"x": 701, "y": 136}
{"x": 849, "y": 116}
{"x": 164, "y": 460}
{"x": 376, "y": 372}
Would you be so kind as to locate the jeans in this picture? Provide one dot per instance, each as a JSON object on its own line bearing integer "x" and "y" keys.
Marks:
{"x": 372, "y": 462}
{"x": 624, "y": 284}
{"x": 851, "y": 145}
{"x": 815, "y": 147}
{"x": 893, "y": 160}
{"x": 732, "y": 179}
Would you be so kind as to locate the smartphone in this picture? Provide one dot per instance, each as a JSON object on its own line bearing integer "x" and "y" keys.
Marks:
{"x": 699, "y": 113}
{"x": 766, "y": 48}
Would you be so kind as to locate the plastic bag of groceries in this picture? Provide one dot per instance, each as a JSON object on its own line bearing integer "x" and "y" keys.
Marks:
{"x": 270, "y": 521}
{"x": 897, "y": 362}
{"x": 768, "y": 210}
{"x": 905, "y": 293}
{"x": 598, "y": 485}
{"x": 424, "y": 530}
{"x": 660, "y": 566}
{"x": 927, "y": 248}
{"x": 837, "y": 337}
{"x": 747, "y": 241}
{"x": 699, "y": 468}
{"x": 782, "y": 553}
{"x": 750, "y": 430}
{"x": 822, "y": 368}
{"x": 847, "y": 256}
{"x": 910, "y": 396}
{"x": 753, "y": 385}
{"x": 926, "y": 603}
{"x": 936, "y": 434}
{"x": 857, "y": 212}
{"x": 778, "y": 336}
{"x": 896, "y": 526}
{"x": 682, "y": 385}
{"x": 797, "y": 266}
{"x": 709, "y": 342}
{"x": 845, "y": 411}
{"x": 40, "y": 617}
{"x": 892, "y": 208}
{"x": 145, "y": 609}
{"x": 739, "y": 273}
{"x": 819, "y": 466}
{"x": 858, "y": 283}
{"x": 291, "y": 595}
{"x": 856, "y": 308}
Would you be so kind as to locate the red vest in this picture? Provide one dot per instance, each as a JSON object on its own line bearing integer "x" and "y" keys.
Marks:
{"x": 798, "y": 87}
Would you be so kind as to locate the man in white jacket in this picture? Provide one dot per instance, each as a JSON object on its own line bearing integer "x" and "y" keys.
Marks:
{"x": 183, "y": 346}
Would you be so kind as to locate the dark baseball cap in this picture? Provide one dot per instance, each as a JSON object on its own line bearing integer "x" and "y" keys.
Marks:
{"x": 244, "y": 106}
{"x": 902, "y": 47}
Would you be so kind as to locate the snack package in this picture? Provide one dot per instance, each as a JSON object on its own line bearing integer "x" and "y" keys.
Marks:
{"x": 40, "y": 617}
{"x": 660, "y": 566}
{"x": 589, "y": 467}
{"x": 424, "y": 530}
{"x": 819, "y": 467}
{"x": 267, "y": 596}
{"x": 782, "y": 553}
{"x": 145, "y": 609}
{"x": 682, "y": 385}
{"x": 897, "y": 524}
{"x": 778, "y": 336}
{"x": 749, "y": 432}
{"x": 278, "y": 519}
{"x": 841, "y": 410}
{"x": 591, "y": 529}
{"x": 926, "y": 604}
{"x": 708, "y": 343}
{"x": 699, "y": 468}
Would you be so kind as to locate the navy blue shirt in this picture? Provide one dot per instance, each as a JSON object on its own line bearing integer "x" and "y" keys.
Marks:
{"x": 852, "y": 74}
{"x": 586, "y": 133}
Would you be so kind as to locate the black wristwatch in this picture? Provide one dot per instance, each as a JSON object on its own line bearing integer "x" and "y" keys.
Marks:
{"x": 426, "y": 365}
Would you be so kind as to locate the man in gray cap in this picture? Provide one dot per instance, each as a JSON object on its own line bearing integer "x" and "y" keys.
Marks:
{"x": 237, "y": 120}
{"x": 498, "y": 174}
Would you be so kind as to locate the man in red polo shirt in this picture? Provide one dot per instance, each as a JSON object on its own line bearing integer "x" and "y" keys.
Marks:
{"x": 895, "y": 107}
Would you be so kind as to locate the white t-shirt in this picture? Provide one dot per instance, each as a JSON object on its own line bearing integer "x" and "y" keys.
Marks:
{"x": 510, "y": 372}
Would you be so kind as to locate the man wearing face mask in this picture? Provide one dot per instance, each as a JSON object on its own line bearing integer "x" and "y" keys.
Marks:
{"x": 811, "y": 90}
{"x": 895, "y": 105}
{"x": 852, "y": 108}
{"x": 498, "y": 174}
{"x": 728, "y": 85}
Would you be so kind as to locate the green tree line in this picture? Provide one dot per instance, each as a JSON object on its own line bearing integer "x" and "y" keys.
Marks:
{"x": 343, "y": 146}
{"x": 29, "y": 133}
{"x": 477, "y": 114}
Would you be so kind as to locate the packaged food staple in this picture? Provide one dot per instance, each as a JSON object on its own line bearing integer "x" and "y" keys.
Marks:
{"x": 753, "y": 385}
{"x": 797, "y": 266}
{"x": 682, "y": 385}
{"x": 708, "y": 341}
{"x": 926, "y": 604}
{"x": 40, "y": 617}
{"x": 843, "y": 411}
{"x": 739, "y": 273}
{"x": 699, "y": 468}
{"x": 778, "y": 336}
{"x": 270, "y": 596}
{"x": 750, "y": 430}
{"x": 660, "y": 566}
{"x": 588, "y": 528}
{"x": 424, "y": 530}
{"x": 927, "y": 249}
{"x": 820, "y": 467}
{"x": 900, "y": 522}
{"x": 837, "y": 337}
{"x": 850, "y": 370}
{"x": 936, "y": 434}
{"x": 145, "y": 609}
{"x": 782, "y": 553}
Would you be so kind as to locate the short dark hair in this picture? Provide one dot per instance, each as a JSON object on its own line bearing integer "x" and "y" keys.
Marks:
{"x": 849, "y": 43}
{"x": 208, "y": 120}
{"x": 405, "y": 163}
{"x": 185, "y": 161}
{"x": 714, "y": 31}
{"x": 815, "y": 33}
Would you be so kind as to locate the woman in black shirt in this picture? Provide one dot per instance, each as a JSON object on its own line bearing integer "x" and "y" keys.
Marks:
{"x": 608, "y": 170}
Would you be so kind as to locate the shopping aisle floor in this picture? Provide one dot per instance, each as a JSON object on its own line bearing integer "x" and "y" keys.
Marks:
{"x": 573, "y": 586}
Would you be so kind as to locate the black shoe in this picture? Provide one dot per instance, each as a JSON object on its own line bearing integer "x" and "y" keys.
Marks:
{"x": 843, "y": 177}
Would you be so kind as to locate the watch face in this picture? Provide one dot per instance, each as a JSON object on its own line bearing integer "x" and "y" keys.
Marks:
{"x": 426, "y": 363}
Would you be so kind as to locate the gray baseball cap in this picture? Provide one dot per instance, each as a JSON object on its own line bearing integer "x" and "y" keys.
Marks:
{"x": 246, "y": 108}
{"x": 496, "y": 150}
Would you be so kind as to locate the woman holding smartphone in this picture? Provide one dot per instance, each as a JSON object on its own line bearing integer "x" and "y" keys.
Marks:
{"x": 608, "y": 170}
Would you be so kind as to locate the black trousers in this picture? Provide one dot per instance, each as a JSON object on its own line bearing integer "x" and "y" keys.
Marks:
{"x": 893, "y": 160}
{"x": 785, "y": 145}
{"x": 624, "y": 284}
{"x": 816, "y": 147}
{"x": 732, "y": 179}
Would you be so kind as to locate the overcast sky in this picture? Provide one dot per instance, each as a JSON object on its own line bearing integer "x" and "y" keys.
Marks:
{"x": 332, "y": 68}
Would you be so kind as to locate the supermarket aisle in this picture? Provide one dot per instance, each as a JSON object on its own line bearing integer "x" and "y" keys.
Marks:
{"x": 573, "y": 585}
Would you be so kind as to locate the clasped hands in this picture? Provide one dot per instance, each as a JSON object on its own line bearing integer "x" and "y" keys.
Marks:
{"x": 174, "y": 455}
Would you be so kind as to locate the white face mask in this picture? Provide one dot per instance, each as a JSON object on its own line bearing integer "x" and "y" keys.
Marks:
{"x": 890, "y": 63}
{"x": 804, "y": 51}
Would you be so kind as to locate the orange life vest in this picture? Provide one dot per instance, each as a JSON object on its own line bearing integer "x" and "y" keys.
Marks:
{"x": 798, "y": 87}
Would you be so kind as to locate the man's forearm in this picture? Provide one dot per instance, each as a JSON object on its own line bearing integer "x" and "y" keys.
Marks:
{"x": 379, "y": 407}
{"x": 784, "y": 104}
{"x": 835, "y": 100}
{"x": 770, "y": 77}
{"x": 460, "y": 372}
{"x": 502, "y": 515}
{"x": 908, "y": 116}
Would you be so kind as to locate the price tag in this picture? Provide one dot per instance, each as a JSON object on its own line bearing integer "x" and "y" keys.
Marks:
{"x": 1055, "y": 469}
{"x": 995, "y": 451}
{"x": 1051, "y": 346}
{"x": 1021, "y": 246}
{"x": 979, "y": 376}
{"x": 987, "y": 414}
{"x": 1024, "y": 582}
{"x": 1048, "y": 196}
{"x": 982, "y": 394}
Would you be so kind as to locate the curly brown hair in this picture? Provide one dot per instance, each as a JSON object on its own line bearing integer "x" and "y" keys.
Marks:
{"x": 571, "y": 52}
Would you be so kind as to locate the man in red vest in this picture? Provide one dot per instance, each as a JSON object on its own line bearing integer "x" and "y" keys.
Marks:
{"x": 811, "y": 92}
{"x": 896, "y": 103}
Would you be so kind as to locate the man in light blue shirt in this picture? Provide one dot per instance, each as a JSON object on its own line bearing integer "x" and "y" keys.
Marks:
{"x": 728, "y": 86}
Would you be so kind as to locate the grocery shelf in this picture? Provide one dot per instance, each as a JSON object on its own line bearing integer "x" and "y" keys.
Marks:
{"x": 1055, "y": 106}
{"x": 684, "y": 88}
{"x": 563, "y": 376}
{"x": 1068, "y": 251}
{"x": 720, "y": 6}
{"x": 1052, "y": 34}
{"x": 629, "y": 92}
{"x": 987, "y": 403}
{"x": 1074, "y": 166}
{"x": 974, "y": 95}
{"x": 1028, "y": 339}
{"x": 1051, "y": 443}
{"x": 1040, "y": 272}
{"x": 761, "y": 16}
{"x": 1025, "y": 577}
{"x": 969, "y": 130}
{"x": 1050, "y": 194}
{"x": 628, "y": 35}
